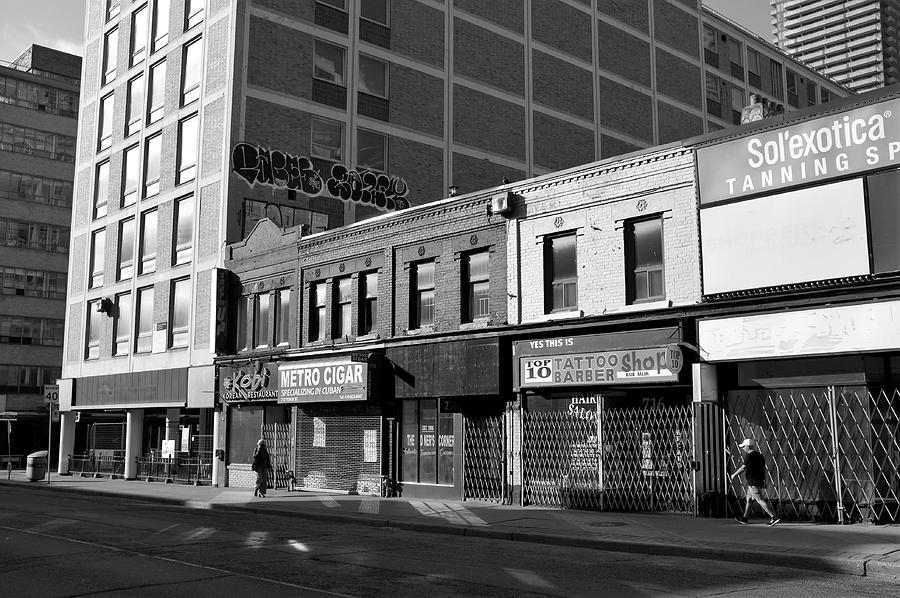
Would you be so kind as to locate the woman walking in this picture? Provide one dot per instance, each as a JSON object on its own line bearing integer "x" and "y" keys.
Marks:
{"x": 261, "y": 465}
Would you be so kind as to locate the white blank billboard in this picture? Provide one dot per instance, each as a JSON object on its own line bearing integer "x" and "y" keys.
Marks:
{"x": 800, "y": 236}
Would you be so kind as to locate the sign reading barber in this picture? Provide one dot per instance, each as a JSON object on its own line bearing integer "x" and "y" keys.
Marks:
{"x": 321, "y": 381}
{"x": 813, "y": 151}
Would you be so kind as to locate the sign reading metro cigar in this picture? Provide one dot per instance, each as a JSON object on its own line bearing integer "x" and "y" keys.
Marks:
{"x": 321, "y": 381}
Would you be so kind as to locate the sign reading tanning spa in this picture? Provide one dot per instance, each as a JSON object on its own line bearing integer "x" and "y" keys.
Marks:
{"x": 321, "y": 381}
{"x": 631, "y": 366}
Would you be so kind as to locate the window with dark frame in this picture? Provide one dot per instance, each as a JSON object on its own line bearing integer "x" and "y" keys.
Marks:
{"x": 122, "y": 325}
{"x": 133, "y": 110}
{"x": 156, "y": 92}
{"x": 147, "y": 245}
{"x": 144, "y": 320}
{"x": 92, "y": 338}
{"x": 101, "y": 190}
{"x": 112, "y": 9}
{"x": 110, "y": 52}
{"x": 422, "y": 290}
{"x": 131, "y": 162}
{"x": 376, "y": 11}
{"x": 179, "y": 313}
{"x": 326, "y": 139}
{"x": 191, "y": 71}
{"x": 125, "y": 267}
{"x": 560, "y": 273}
{"x": 262, "y": 331}
{"x": 152, "y": 154}
{"x": 160, "y": 24}
{"x": 427, "y": 443}
{"x": 342, "y": 296}
{"x": 329, "y": 63}
{"x": 188, "y": 148}
{"x": 107, "y": 106}
{"x": 282, "y": 317}
{"x": 184, "y": 230}
{"x": 98, "y": 250}
{"x": 753, "y": 72}
{"x": 368, "y": 304}
{"x": 193, "y": 13}
{"x": 242, "y": 322}
{"x": 476, "y": 286}
{"x": 318, "y": 324}
{"x": 373, "y": 76}
{"x": 139, "y": 34}
{"x": 371, "y": 150}
{"x": 645, "y": 273}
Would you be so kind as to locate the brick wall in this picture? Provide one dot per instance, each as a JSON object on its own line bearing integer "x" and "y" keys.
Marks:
{"x": 633, "y": 14}
{"x": 417, "y": 100}
{"x": 203, "y": 308}
{"x": 678, "y": 79}
{"x": 217, "y": 39}
{"x": 339, "y": 464}
{"x": 561, "y": 26}
{"x": 471, "y": 174}
{"x": 417, "y": 31}
{"x": 553, "y": 85}
{"x": 506, "y": 13}
{"x": 626, "y": 109}
{"x": 502, "y": 67}
{"x": 208, "y": 209}
{"x": 559, "y": 144}
{"x": 213, "y": 136}
{"x": 279, "y": 61}
{"x": 676, "y": 27}
{"x": 488, "y": 123}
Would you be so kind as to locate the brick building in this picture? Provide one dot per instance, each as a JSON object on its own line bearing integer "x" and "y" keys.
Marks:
{"x": 38, "y": 111}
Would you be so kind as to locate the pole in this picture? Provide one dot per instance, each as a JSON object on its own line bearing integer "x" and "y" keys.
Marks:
{"x": 8, "y": 450}
{"x": 49, "y": 438}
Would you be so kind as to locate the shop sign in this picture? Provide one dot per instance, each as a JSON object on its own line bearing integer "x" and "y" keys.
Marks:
{"x": 833, "y": 146}
{"x": 255, "y": 382}
{"x": 339, "y": 380}
{"x": 631, "y": 366}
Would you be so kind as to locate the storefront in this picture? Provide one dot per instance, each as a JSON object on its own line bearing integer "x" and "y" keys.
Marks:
{"x": 449, "y": 409}
{"x": 606, "y": 421}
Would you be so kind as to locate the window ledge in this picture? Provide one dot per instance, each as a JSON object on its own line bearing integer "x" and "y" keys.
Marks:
{"x": 476, "y": 324}
{"x": 419, "y": 331}
{"x": 374, "y": 336}
{"x": 560, "y": 315}
{"x": 646, "y": 305}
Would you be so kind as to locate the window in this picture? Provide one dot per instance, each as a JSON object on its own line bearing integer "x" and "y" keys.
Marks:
{"x": 713, "y": 96}
{"x": 25, "y": 187}
{"x": 560, "y": 274}
{"x": 811, "y": 93}
{"x": 184, "y": 230}
{"x": 110, "y": 47}
{"x": 777, "y": 89}
{"x": 710, "y": 46}
{"x": 753, "y": 72}
{"x": 147, "y": 246}
{"x": 282, "y": 317}
{"x": 476, "y": 286}
{"x": 101, "y": 189}
{"x": 826, "y": 96}
{"x": 188, "y": 133}
{"x": 793, "y": 88}
{"x": 107, "y": 105}
{"x": 126, "y": 249}
{"x": 375, "y": 10}
{"x": 98, "y": 247}
{"x": 191, "y": 72}
{"x": 737, "y": 104}
{"x": 368, "y": 305}
{"x": 179, "y": 313}
{"x": 122, "y": 324}
{"x": 736, "y": 54}
{"x": 144, "y": 342}
{"x": 92, "y": 338}
{"x": 371, "y": 150}
{"x": 135, "y": 103}
{"x": 243, "y": 304}
{"x": 157, "y": 91}
{"x": 373, "y": 76}
{"x": 131, "y": 162}
{"x": 329, "y": 63}
{"x": 343, "y": 303}
{"x": 160, "y": 24}
{"x": 112, "y": 9}
{"x": 427, "y": 443}
{"x": 151, "y": 165}
{"x": 139, "y": 23}
{"x": 422, "y": 300}
{"x": 326, "y": 139}
{"x": 262, "y": 329}
{"x": 644, "y": 261}
{"x": 317, "y": 322}
{"x": 193, "y": 13}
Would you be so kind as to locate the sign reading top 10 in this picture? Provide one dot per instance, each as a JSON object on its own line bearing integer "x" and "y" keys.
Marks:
{"x": 633, "y": 366}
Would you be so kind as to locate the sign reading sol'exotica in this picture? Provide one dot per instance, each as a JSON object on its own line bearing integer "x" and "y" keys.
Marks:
{"x": 813, "y": 151}
{"x": 262, "y": 166}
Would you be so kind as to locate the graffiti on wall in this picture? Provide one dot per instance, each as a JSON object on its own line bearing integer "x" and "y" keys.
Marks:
{"x": 262, "y": 166}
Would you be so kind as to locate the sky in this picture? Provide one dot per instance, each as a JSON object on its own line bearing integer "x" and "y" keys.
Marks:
{"x": 60, "y": 23}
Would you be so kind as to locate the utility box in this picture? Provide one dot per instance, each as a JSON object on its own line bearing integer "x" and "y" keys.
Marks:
{"x": 36, "y": 466}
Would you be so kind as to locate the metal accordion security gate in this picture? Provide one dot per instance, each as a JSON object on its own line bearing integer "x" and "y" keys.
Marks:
{"x": 484, "y": 466}
{"x": 832, "y": 453}
{"x": 619, "y": 459}
{"x": 278, "y": 440}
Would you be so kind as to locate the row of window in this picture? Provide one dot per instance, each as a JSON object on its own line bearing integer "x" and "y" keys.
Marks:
{"x": 27, "y": 378}
{"x": 39, "y": 97}
{"x": 18, "y": 330}
{"x": 377, "y": 11}
{"x": 132, "y": 163}
{"x": 263, "y": 320}
{"x": 33, "y": 142}
{"x": 330, "y": 65}
{"x": 27, "y": 187}
{"x": 327, "y": 143}
{"x": 33, "y": 283}
{"x": 34, "y": 235}
{"x": 133, "y": 323}
{"x": 282, "y": 216}
{"x": 145, "y": 240}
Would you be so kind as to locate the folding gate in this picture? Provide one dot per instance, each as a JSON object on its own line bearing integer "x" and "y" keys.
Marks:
{"x": 621, "y": 459}
{"x": 832, "y": 453}
{"x": 278, "y": 441}
{"x": 484, "y": 466}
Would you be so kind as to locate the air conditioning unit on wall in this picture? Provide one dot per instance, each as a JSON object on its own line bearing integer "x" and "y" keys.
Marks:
{"x": 500, "y": 203}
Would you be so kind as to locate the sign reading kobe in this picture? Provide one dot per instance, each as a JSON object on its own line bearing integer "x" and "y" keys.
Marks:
{"x": 321, "y": 381}
{"x": 631, "y": 366}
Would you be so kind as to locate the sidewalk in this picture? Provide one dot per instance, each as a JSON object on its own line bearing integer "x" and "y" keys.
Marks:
{"x": 859, "y": 549}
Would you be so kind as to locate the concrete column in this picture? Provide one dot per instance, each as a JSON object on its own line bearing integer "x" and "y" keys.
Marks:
{"x": 134, "y": 434}
{"x": 66, "y": 440}
{"x": 203, "y": 428}
{"x": 217, "y": 463}
{"x": 173, "y": 416}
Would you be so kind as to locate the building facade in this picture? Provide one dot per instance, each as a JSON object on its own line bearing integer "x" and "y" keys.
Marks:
{"x": 853, "y": 42}
{"x": 39, "y": 97}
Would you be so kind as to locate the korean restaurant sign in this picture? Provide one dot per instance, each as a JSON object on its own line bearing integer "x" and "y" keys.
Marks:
{"x": 813, "y": 151}
{"x": 591, "y": 368}
{"x": 253, "y": 382}
{"x": 321, "y": 381}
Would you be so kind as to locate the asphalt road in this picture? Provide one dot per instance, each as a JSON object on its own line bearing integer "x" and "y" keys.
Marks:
{"x": 58, "y": 544}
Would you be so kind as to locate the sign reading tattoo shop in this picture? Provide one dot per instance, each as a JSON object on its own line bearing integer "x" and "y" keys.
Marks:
{"x": 252, "y": 382}
{"x": 262, "y": 166}
{"x": 541, "y": 366}
{"x": 320, "y": 381}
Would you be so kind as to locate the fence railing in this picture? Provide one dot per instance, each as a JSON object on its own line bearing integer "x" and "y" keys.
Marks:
{"x": 96, "y": 466}
{"x": 182, "y": 470}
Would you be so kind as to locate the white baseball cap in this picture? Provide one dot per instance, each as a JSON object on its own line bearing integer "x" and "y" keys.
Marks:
{"x": 747, "y": 443}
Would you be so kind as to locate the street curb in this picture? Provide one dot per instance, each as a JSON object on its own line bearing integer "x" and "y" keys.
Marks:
{"x": 825, "y": 564}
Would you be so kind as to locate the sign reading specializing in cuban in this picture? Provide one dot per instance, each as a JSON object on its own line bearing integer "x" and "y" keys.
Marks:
{"x": 813, "y": 151}
{"x": 262, "y": 166}
{"x": 631, "y": 366}
{"x": 249, "y": 383}
{"x": 310, "y": 382}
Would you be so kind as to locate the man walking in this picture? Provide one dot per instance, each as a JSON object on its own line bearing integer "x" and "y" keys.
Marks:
{"x": 754, "y": 469}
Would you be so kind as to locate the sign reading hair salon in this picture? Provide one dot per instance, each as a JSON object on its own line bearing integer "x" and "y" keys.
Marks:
{"x": 812, "y": 151}
{"x": 320, "y": 381}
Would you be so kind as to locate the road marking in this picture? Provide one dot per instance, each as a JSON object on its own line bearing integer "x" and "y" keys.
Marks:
{"x": 52, "y": 524}
{"x": 528, "y": 577}
{"x": 179, "y": 562}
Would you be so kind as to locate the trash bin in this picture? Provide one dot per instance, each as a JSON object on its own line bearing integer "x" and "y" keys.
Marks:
{"x": 36, "y": 466}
